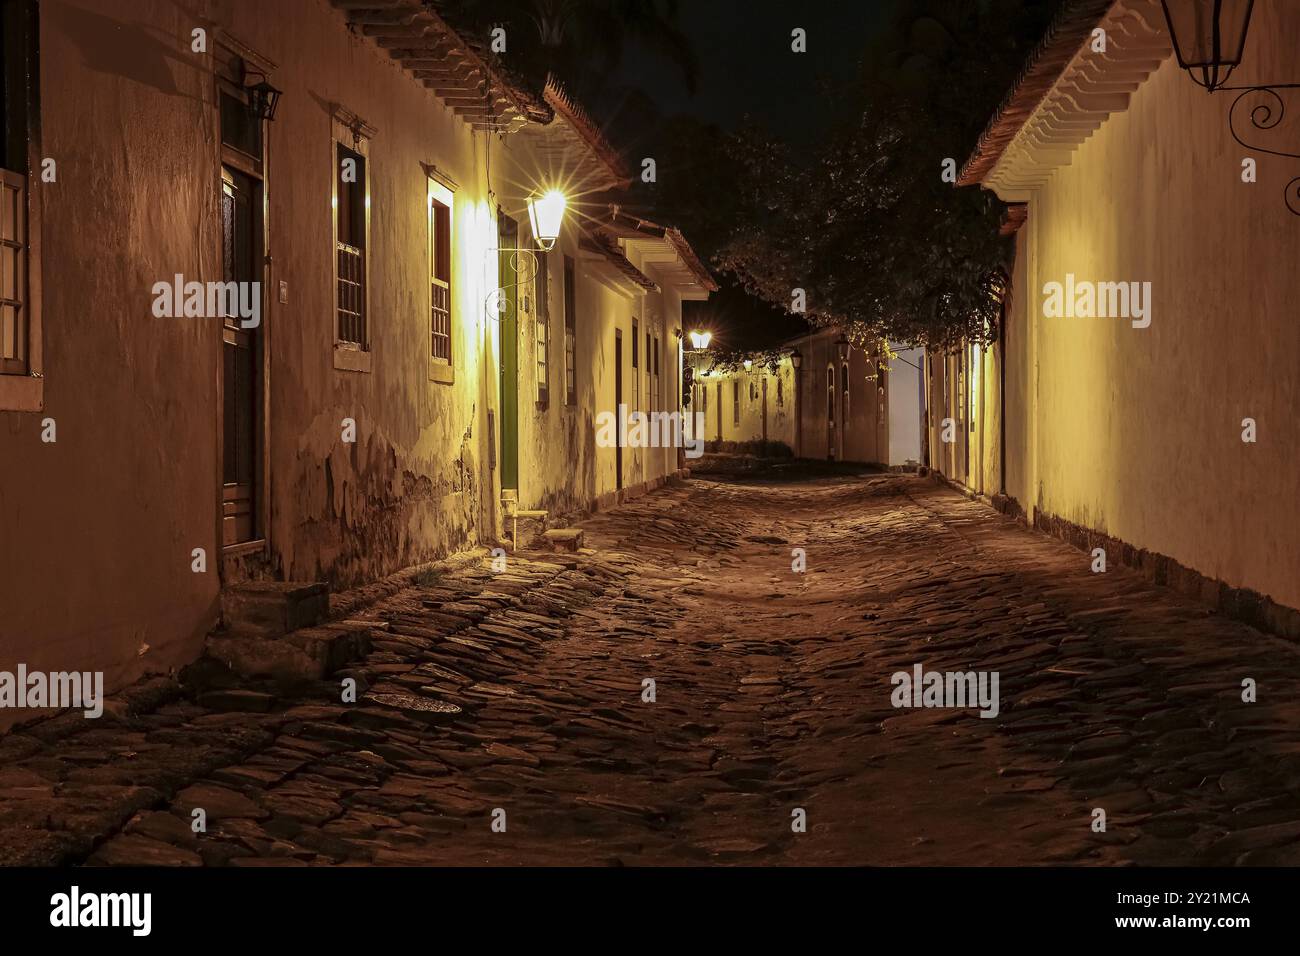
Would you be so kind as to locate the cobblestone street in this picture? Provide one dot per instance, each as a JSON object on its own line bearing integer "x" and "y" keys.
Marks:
{"x": 772, "y": 692}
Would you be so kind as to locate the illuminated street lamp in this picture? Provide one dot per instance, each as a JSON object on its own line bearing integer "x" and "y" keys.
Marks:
{"x": 1208, "y": 36}
{"x": 749, "y": 364}
{"x": 700, "y": 340}
{"x": 546, "y": 215}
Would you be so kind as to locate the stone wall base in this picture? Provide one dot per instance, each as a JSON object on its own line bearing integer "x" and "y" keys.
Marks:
{"x": 1241, "y": 604}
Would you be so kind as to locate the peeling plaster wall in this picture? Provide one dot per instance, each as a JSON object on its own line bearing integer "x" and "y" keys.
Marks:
{"x": 1137, "y": 432}
{"x": 562, "y": 469}
{"x": 98, "y": 528}
{"x": 412, "y": 487}
{"x": 557, "y": 454}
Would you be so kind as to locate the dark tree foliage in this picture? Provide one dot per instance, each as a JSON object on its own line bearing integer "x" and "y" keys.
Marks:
{"x": 879, "y": 242}
{"x": 582, "y": 42}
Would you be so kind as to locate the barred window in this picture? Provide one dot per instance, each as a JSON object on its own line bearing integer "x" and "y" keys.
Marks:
{"x": 21, "y": 369}
{"x": 636, "y": 374}
{"x": 13, "y": 273}
{"x": 542, "y": 293}
{"x": 439, "y": 273}
{"x": 350, "y": 244}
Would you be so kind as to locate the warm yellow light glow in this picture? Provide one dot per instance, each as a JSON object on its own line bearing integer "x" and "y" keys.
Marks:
{"x": 545, "y": 215}
{"x": 749, "y": 364}
{"x": 700, "y": 340}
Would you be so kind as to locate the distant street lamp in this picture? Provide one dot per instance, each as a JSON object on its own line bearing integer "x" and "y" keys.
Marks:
{"x": 1208, "y": 36}
{"x": 545, "y": 216}
{"x": 796, "y": 359}
{"x": 749, "y": 364}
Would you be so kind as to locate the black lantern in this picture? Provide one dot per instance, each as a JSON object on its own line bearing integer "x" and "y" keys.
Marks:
{"x": 1208, "y": 36}
{"x": 263, "y": 98}
{"x": 842, "y": 344}
{"x": 796, "y": 359}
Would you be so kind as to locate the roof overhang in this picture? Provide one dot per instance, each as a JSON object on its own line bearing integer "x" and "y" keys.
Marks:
{"x": 1066, "y": 91}
{"x": 664, "y": 248}
{"x": 572, "y": 141}
{"x": 611, "y": 267}
{"x": 442, "y": 60}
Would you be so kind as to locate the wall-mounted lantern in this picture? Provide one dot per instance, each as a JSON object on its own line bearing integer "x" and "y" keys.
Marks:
{"x": 796, "y": 359}
{"x": 546, "y": 216}
{"x": 263, "y": 98}
{"x": 1208, "y": 37}
{"x": 842, "y": 346}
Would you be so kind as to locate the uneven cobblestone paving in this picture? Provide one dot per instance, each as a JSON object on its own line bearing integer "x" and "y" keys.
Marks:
{"x": 772, "y": 691}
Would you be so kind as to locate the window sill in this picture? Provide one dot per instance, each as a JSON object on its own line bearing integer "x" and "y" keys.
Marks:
{"x": 21, "y": 393}
{"x": 351, "y": 359}
{"x": 441, "y": 372}
{"x": 241, "y": 548}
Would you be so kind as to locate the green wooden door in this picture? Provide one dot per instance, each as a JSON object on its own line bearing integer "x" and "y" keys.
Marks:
{"x": 508, "y": 234}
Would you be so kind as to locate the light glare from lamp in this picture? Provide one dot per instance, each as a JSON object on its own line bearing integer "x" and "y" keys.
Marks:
{"x": 545, "y": 215}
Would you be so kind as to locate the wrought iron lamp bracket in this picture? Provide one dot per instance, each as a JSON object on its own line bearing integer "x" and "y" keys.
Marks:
{"x": 524, "y": 264}
{"x": 1267, "y": 112}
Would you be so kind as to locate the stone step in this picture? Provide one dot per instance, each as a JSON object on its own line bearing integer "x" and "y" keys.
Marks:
{"x": 564, "y": 539}
{"x": 271, "y": 609}
{"x": 309, "y": 653}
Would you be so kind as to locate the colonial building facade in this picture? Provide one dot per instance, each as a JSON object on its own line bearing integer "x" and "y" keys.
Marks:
{"x": 825, "y": 399}
{"x": 275, "y": 311}
{"x": 1141, "y": 394}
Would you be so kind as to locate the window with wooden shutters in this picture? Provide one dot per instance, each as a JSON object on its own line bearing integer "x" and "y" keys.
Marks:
{"x": 350, "y": 244}
{"x": 20, "y": 340}
{"x": 439, "y": 274}
{"x": 844, "y": 384}
{"x": 636, "y": 374}
{"x": 656, "y": 396}
{"x": 542, "y": 293}
{"x": 570, "y": 333}
{"x": 13, "y": 284}
{"x": 735, "y": 402}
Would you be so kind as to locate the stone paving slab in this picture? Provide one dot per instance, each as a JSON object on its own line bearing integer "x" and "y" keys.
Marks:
{"x": 520, "y": 698}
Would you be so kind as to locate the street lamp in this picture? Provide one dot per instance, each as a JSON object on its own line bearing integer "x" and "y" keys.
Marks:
{"x": 545, "y": 216}
{"x": 749, "y": 364}
{"x": 700, "y": 340}
{"x": 1208, "y": 36}
{"x": 842, "y": 345}
{"x": 263, "y": 98}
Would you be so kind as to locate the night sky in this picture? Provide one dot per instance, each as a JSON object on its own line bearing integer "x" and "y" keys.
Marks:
{"x": 747, "y": 67}
{"x": 749, "y": 73}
